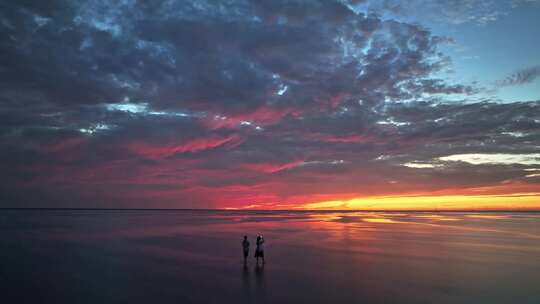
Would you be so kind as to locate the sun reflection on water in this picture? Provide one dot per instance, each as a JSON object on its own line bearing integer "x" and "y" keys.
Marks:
{"x": 379, "y": 220}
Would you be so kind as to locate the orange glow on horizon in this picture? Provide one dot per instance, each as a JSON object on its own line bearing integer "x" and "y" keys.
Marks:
{"x": 516, "y": 201}
{"x": 528, "y": 201}
{"x": 511, "y": 196}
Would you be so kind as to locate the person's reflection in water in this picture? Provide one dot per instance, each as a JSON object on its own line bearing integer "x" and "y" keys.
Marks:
{"x": 246, "y": 286}
{"x": 259, "y": 281}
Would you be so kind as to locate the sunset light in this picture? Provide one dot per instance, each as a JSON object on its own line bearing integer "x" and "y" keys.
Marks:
{"x": 517, "y": 201}
{"x": 270, "y": 105}
{"x": 270, "y": 151}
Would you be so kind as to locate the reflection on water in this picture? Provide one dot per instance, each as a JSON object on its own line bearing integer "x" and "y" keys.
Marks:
{"x": 437, "y": 217}
{"x": 316, "y": 257}
{"x": 246, "y": 282}
{"x": 379, "y": 220}
{"x": 259, "y": 281}
{"x": 487, "y": 216}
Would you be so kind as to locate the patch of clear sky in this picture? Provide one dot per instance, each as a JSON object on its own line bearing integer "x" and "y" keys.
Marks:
{"x": 490, "y": 52}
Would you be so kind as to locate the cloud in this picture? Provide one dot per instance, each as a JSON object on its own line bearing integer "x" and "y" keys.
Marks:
{"x": 521, "y": 77}
{"x": 454, "y": 12}
{"x": 191, "y": 146}
{"x": 272, "y": 168}
{"x": 202, "y": 104}
{"x": 420, "y": 165}
{"x": 232, "y": 60}
{"x": 495, "y": 159}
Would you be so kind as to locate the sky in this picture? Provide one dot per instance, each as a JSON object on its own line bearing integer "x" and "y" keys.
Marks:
{"x": 270, "y": 104}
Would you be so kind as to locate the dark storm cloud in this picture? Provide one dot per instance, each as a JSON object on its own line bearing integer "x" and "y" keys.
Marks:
{"x": 213, "y": 57}
{"x": 193, "y": 104}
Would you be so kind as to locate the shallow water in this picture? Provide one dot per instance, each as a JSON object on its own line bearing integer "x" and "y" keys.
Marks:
{"x": 66, "y": 256}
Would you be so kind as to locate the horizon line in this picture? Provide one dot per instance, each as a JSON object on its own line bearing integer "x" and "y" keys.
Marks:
{"x": 271, "y": 210}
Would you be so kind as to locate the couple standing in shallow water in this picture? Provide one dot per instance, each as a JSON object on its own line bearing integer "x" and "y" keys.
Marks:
{"x": 259, "y": 250}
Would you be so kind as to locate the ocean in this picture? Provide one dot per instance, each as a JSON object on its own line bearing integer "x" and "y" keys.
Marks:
{"x": 189, "y": 256}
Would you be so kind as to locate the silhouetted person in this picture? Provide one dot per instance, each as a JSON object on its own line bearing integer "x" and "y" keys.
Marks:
{"x": 245, "y": 246}
{"x": 259, "y": 251}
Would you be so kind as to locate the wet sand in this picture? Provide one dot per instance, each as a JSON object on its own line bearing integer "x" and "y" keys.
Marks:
{"x": 98, "y": 256}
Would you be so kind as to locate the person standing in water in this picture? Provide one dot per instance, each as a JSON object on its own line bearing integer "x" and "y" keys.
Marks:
{"x": 245, "y": 246}
{"x": 259, "y": 251}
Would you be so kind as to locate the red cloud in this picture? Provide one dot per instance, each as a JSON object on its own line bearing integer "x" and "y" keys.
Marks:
{"x": 352, "y": 138}
{"x": 345, "y": 139}
{"x": 272, "y": 168}
{"x": 262, "y": 116}
{"x": 63, "y": 145}
{"x": 194, "y": 145}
